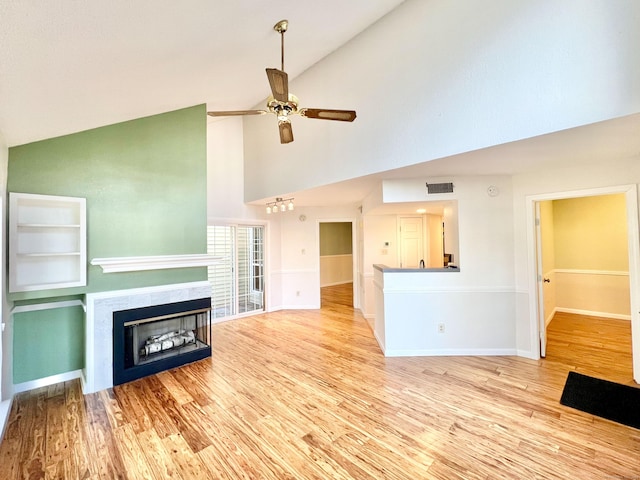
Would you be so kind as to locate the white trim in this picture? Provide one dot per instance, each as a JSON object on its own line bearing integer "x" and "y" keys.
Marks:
{"x": 547, "y": 320}
{"x": 591, "y": 272}
{"x": 46, "y": 381}
{"x": 447, "y": 352}
{"x": 48, "y": 306}
{"x": 527, "y": 354}
{"x": 5, "y": 410}
{"x": 157, "y": 262}
{"x": 443, "y": 290}
{"x": 616, "y": 316}
{"x": 300, "y": 307}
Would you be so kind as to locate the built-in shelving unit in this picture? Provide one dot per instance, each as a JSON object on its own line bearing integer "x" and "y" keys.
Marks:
{"x": 47, "y": 242}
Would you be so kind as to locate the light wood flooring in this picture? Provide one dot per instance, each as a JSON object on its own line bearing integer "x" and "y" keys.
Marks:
{"x": 308, "y": 395}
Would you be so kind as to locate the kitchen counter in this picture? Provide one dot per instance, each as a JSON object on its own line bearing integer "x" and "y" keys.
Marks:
{"x": 385, "y": 269}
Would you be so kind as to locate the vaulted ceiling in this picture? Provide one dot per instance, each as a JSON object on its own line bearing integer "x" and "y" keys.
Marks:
{"x": 72, "y": 65}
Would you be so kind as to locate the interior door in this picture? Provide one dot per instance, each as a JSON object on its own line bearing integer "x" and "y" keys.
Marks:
{"x": 435, "y": 235}
{"x": 411, "y": 242}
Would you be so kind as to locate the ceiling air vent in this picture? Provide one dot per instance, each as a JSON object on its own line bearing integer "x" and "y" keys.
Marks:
{"x": 439, "y": 188}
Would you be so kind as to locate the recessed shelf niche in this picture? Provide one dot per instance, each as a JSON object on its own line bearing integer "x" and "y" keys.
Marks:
{"x": 47, "y": 242}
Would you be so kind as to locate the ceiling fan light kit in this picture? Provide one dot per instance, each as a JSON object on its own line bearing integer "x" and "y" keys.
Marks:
{"x": 283, "y": 104}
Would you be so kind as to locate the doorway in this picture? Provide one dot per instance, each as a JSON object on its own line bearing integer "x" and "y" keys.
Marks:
{"x": 336, "y": 242}
{"x": 539, "y": 287}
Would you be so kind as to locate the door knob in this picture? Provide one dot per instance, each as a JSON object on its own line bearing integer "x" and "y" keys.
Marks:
{"x": 546, "y": 280}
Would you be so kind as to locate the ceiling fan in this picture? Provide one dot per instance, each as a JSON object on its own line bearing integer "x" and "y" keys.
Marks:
{"x": 284, "y": 104}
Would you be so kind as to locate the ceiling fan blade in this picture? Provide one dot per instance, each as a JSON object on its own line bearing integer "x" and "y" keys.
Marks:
{"x": 228, "y": 113}
{"x": 329, "y": 114}
{"x": 279, "y": 82}
{"x": 286, "y": 132}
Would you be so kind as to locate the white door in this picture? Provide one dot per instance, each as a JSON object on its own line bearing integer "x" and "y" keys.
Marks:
{"x": 237, "y": 281}
{"x": 435, "y": 235}
{"x": 411, "y": 242}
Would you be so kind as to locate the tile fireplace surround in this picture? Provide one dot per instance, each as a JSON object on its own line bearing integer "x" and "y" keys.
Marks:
{"x": 98, "y": 372}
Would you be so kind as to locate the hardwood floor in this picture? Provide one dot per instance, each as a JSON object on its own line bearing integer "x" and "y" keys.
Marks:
{"x": 308, "y": 395}
{"x": 600, "y": 347}
{"x": 336, "y": 296}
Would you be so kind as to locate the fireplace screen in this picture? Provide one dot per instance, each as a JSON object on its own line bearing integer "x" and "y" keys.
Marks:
{"x": 149, "y": 340}
{"x": 153, "y": 339}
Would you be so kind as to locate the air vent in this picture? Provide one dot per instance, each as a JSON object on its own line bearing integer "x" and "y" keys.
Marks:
{"x": 439, "y": 188}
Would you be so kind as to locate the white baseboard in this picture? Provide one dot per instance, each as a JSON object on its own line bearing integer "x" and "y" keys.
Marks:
{"x": 5, "y": 409}
{"x": 451, "y": 352}
{"x": 528, "y": 354}
{"x": 590, "y": 313}
{"x": 550, "y": 317}
{"x": 44, "y": 382}
{"x": 336, "y": 283}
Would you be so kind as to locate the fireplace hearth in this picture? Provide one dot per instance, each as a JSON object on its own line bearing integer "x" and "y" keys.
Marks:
{"x": 155, "y": 338}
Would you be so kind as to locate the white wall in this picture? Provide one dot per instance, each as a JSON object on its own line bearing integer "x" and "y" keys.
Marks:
{"x": 336, "y": 269}
{"x": 225, "y": 171}
{"x": 437, "y": 78}
{"x": 300, "y": 252}
{"x": 292, "y": 246}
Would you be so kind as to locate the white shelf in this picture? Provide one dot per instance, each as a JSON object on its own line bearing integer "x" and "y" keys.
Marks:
{"x": 44, "y": 254}
{"x": 47, "y": 242}
{"x": 45, "y": 225}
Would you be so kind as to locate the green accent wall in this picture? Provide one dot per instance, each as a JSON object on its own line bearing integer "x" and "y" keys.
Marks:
{"x": 145, "y": 185}
{"x": 47, "y": 342}
{"x": 335, "y": 238}
{"x": 145, "y": 182}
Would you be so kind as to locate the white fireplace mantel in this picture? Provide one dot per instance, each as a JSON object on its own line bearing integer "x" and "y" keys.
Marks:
{"x": 157, "y": 262}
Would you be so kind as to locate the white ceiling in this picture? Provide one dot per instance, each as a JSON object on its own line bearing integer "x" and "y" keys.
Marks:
{"x": 72, "y": 65}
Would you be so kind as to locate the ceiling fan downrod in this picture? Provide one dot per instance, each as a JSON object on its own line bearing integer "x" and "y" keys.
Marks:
{"x": 281, "y": 27}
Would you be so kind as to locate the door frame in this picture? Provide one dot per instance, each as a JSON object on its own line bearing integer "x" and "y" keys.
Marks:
{"x": 633, "y": 238}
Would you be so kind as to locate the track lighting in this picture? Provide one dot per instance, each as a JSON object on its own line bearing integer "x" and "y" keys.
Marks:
{"x": 281, "y": 204}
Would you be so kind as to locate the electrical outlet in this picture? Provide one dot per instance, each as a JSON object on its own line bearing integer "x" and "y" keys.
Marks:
{"x": 441, "y": 328}
{"x": 297, "y": 293}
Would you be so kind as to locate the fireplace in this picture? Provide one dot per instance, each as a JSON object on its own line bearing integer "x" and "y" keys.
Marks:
{"x": 151, "y": 339}
{"x": 98, "y": 371}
